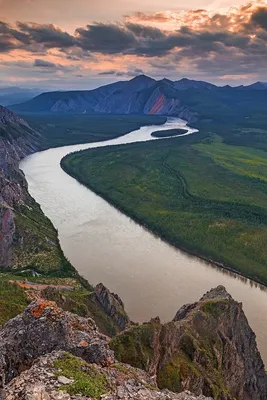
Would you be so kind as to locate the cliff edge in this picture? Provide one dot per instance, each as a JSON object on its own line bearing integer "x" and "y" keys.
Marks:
{"x": 208, "y": 349}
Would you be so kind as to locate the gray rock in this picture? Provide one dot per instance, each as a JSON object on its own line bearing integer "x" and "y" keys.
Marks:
{"x": 112, "y": 305}
{"x": 125, "y": 383}
{"x": 43, "y": 328}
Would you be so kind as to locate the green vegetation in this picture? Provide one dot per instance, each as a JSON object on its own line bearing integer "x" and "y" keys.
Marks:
{"x": 197, "y": 192}
{"x": 188, "y": 351}
{"x": 69, "y": 129}
{"x": 87, "y": 380}
{"x": 135, "y": 346}
{"x": 13, "y": 300}
{"x": 40, "y": 250}
{"x": 80, "y": 300}
{"x": 215, "y": 307}
{"x": 168, "y": 133}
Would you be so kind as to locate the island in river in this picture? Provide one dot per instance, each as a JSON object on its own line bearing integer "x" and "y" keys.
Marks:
{"x": 169, "y": 133}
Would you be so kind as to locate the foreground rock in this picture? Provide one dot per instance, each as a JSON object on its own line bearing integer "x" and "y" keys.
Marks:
{"x": 42, "y": 328}
{"x": 208, "y": 349}
{"x": 45, "y": 381}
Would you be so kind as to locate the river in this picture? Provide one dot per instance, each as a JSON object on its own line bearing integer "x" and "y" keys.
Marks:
{"x": 152, "y": 277}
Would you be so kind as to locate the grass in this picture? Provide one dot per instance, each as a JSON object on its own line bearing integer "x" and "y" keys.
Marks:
{"x": 13, "y": 300}
{"x": 39, "y": 250}
{"x": 87, "y": 380}
{"x": 80, "y": 300}
{"x": 135, "y": 346}
{"x": 197, "y": 192}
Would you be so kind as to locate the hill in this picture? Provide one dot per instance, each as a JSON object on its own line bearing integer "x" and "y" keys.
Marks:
{"x": 188, "y": 99}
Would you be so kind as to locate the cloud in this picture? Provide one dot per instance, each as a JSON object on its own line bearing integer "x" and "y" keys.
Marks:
{"x": 48, "y": 35}
{"x": 143, "y": 17}
{"x": 259, "y": 18}
{"x": 44, "y": 64}
{"x": 105, "y": 38}
{"x": 29, "y": 36}
{"x": 130, "y": 73}
{"x": 189, "y": 42}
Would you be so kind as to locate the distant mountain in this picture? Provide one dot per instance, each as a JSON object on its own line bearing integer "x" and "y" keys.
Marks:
{"x": 185, "y": 84}
{"x": 188, "y": 99}
{"x": 257, "y": 86}
{"x": 14, "y": 95}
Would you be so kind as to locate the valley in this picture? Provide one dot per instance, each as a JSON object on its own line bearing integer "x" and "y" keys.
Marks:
{"x": 202, "y": 192}
{"x": 102, "y": 242}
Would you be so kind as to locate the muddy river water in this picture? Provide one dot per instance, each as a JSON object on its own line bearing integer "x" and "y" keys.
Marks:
{"x": 152, "y": 277}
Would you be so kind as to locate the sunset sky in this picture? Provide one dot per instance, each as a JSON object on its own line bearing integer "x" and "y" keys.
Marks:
{"x": 64, "y": 44}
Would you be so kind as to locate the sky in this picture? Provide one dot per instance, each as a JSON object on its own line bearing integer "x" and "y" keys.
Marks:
{"x": 82, "y": 44}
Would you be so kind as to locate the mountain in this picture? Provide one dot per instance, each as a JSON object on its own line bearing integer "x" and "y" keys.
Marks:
{"x": 15, "y": 95}
{"x": 27, "y": 237}
{"x": 208, "y": 348}
{"x": 185, "y": 84}
{"x": 257, "y": 86}
{"x": 140, "y": 95}
{"x": 188, "y": 99}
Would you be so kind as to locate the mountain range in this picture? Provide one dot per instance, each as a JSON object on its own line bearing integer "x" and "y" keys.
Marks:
{"x": 15, "y": 94}
{"x": 188, "y": 99}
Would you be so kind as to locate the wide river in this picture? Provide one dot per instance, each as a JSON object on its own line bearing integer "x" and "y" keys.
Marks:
{"x": 152, "y": 277}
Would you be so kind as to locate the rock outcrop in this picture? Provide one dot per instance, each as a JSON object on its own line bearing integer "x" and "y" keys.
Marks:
{"x": 112, "y": 305}
{"x": 49, "y": 354}
{"x": 15, "y": 142}
{"x": 44, "y": 327}
{"x": 208, "y": 348}
{"x": 45, "y": 381}
{"x": 27, "y": 237}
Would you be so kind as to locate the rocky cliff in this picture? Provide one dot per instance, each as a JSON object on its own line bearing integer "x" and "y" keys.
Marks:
{"x": 112, "y": 305}
{"x": 47, "y": 353}
{"x": 208, "y": 349}
{"x": 27, "y": 237}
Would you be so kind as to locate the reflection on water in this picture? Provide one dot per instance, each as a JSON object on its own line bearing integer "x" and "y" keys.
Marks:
{"x": 152, "y": 277}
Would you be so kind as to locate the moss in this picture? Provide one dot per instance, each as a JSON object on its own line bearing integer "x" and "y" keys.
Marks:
{"x": 187, "y": 346}
{"x": 214, "y": 307}
{"x": 13, "y": 300}
{"x": 87, "y": 380}
{"x": 169, "y": 378}
{"x": 134, "y": 347}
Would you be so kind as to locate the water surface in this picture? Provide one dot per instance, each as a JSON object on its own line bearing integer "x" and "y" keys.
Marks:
{"x": 104, "y": 245}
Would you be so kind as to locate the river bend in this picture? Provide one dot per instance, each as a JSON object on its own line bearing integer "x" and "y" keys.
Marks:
{"x": 152, "y": 277}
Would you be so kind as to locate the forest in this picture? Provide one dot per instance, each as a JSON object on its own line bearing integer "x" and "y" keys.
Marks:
{"x": 201, "y": 193}
{"x": 69, "y": 129}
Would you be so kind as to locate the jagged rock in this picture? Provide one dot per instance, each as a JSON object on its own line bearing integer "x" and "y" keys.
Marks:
{"x": 113, "y": 306}
{"x": 17, "y": 140}
{"x": 42, "y": 328}
{"x": 118, "y": 381}
{"x": 7, "y": 116}
{"x": 209, "y": 348}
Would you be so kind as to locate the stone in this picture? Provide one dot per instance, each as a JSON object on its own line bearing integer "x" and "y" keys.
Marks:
{"x": 112, "y": 305}
{"x": 208, "y": 348}
{"x": 64, "y": 381}
{"x": 43, "y": 328}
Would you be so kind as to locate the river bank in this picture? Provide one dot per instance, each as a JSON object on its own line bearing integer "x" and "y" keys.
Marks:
{"x": 102, "y": 243}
